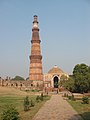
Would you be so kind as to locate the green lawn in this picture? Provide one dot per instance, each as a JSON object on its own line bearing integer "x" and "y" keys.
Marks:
{"x": 17, "y": 101}
{"x": 82, "y": 109}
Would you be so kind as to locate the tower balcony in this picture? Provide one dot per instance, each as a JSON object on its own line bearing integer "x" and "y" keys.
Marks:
{"x": 35, "y": 57}
{"x": 35, "y": 41}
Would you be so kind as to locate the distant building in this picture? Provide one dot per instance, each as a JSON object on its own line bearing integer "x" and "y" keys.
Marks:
{"x": 54, "y": 77}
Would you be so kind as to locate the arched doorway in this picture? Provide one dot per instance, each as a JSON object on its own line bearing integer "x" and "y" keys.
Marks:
{"x": 55, "y": 80}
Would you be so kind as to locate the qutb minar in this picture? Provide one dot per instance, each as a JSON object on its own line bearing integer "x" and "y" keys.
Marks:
{"x": 35, "y": 71}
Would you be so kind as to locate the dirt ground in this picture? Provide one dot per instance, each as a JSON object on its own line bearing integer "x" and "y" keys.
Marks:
{"x": 12, "y": 91}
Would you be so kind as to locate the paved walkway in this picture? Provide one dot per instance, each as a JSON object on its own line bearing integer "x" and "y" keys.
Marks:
{"x": 57, "y": 109}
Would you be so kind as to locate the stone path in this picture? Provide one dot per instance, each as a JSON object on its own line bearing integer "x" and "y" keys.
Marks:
{"x": 57, "y": 109}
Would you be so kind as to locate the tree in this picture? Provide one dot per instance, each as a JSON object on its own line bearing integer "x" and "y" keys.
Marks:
{"x": 69, "y": 84}
{"x": 10, "y": 113}
{"x": 80, "y": 69}
{"x": 81, "y": 75}
{"x": 63, "y": 77}
{"x": 18, "y": 78}
{"x": 80, "y": 80}
{"x": 26, "y": 104}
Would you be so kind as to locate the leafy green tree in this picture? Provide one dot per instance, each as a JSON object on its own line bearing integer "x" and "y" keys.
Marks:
{"x": 80, "y": 69}
{"x": 10, "y": 113}
{"x": 80, "y": 80}
{"x": 69, "y": 84}
{"x": 63, "y": 77}
{"x": 26, "y": 103}
{"x": 18, "y": 78}
{"x": 81, "y": 75}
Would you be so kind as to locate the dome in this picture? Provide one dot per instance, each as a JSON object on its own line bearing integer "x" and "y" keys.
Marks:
{"x": 55, "y": 70}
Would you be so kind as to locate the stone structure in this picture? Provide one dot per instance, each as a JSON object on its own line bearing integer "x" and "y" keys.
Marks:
{"x": 53, "y": 78}
{"x": 37, "y": 80}
{"x": 35, "y": 74}
{"x": 21, "y": 84}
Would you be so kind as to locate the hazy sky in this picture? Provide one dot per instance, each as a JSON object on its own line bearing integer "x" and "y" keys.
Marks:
{"x": 64, "y": 33}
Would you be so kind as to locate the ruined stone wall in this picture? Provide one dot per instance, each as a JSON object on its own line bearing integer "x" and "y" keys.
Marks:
{"x": 15, "y": 84}
{"x": 23, "y": 85}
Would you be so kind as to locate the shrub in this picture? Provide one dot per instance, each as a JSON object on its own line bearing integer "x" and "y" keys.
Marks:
{"x": 26, "y": 104}
{"x": 10, "y": 113}
{"x": 85, "y": 100}
{"x": 35, "y": 90}
{"x": 71, "y": 97}
{"x": 32, "y": 103}
{"x": 27, "y": 90}
{"x": 37, "y": 98}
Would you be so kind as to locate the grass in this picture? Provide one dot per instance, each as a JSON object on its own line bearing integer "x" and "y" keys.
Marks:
{"x": 82, "y": 109}
{"x": 16, "y": 97}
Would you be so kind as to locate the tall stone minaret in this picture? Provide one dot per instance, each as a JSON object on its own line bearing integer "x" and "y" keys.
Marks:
{"x": 35, "y": 73}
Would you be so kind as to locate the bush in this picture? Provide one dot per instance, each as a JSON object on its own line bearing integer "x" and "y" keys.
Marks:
{"x": 10, "y": 113}
{"x": 71, "y": 97}
{"x": 32, "y": 103}
{"x": 38, "y": 98}
{"x": 35, "y": 90}
{"x": 85, "y": 100}
{"x": 26, "y": 104}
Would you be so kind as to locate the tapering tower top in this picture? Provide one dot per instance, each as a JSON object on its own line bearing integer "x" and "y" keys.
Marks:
{"x": 35, "y": 22}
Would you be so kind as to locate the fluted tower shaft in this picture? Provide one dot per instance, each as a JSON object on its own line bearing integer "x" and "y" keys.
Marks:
{"x": 35, "y": 73}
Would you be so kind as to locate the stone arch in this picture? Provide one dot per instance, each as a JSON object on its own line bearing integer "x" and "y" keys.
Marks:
{"x": 55, "y": 81}
{"x": 11, "y": 84}
{"x": 31, "y": 84}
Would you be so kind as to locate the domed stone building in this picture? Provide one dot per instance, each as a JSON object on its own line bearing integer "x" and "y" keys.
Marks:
{"x": 53, "y": 77}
